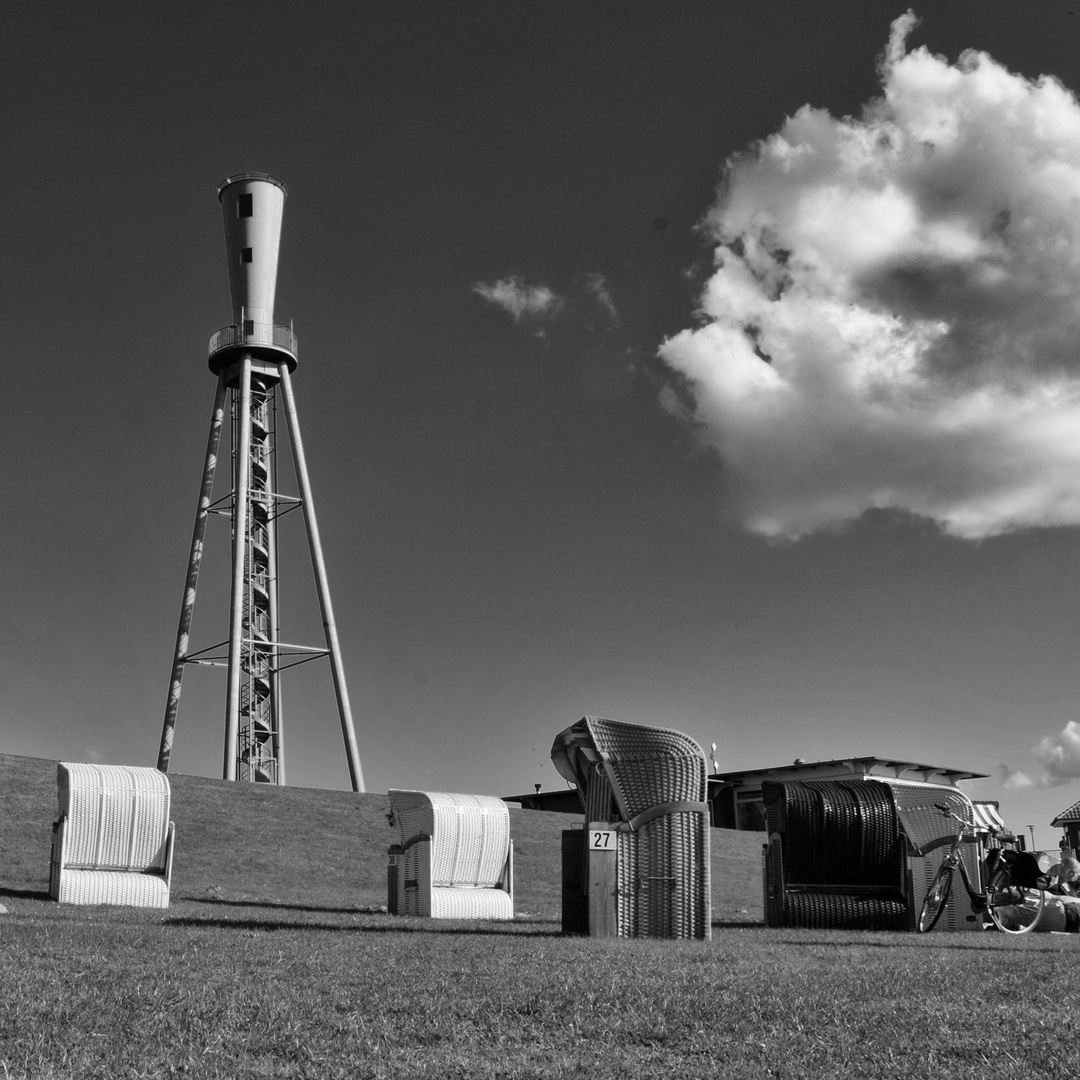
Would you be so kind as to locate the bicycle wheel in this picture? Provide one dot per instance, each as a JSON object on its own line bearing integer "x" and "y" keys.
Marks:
{"x": 1011, "y": 909}
{"x": 934, "y": 904}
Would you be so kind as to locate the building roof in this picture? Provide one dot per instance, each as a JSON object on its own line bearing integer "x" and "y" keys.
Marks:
{"x": 567, "y": 800}
{"x": 855, "y": 766}
{"x": 561, "y": 801}
{"x": 1066, "y": 816}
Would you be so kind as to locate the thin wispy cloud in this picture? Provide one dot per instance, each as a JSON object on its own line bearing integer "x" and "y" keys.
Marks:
{"x": 893, "y": 315}
{"x": 519, "y": 300}
{"x": 589, "y": 297}
{"x": 596, "y": 286}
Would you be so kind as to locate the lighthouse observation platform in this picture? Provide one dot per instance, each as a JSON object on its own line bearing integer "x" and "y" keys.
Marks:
{"x": 266, "y": 342}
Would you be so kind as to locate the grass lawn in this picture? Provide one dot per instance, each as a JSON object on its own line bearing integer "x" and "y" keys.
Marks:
{"x": 275, "y": 961}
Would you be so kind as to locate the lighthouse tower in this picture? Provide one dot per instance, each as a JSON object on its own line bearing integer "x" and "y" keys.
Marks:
{"x": 254, "y": 359}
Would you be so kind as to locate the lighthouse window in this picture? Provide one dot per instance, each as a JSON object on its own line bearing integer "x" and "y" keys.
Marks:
{"x": 243, "y": 205}
{"x": 245, "y": 255}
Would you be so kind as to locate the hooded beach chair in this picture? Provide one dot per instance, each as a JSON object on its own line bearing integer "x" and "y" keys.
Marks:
{"x": 456, "y": 858}
{"x": 860, "y": 854}
{"x": 113, "y": 843}
{"x": 650, "y": 784}
{"x": 835, "y": 856}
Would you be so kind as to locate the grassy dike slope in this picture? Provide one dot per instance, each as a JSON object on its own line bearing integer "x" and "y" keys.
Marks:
{"x": 251, "y": 844}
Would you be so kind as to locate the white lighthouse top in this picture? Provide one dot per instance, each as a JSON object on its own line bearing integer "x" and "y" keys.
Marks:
{"x": 251, "y": 176}
{"x": 251, "y": 205}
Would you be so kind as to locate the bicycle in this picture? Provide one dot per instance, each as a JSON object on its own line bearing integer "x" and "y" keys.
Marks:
{"x": 1014, "y": 898}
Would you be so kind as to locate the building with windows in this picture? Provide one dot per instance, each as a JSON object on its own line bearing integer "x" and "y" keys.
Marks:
{"x": 737, "y": 801}
{"x": 736, "y": 798}
{"x": 1069, "y": 820}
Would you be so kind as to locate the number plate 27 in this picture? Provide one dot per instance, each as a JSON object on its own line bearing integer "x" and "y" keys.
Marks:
{"x": 601, "y": 839}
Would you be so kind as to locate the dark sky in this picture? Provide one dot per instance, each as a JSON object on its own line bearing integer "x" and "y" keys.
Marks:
{"x": 517, "y": 530}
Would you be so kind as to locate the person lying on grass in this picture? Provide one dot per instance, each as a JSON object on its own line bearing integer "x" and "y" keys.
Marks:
{"x": 1065, "y": 876}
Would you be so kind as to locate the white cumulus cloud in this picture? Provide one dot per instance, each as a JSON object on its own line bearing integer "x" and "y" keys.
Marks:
{"x": 1013, "y": 779}
{"x": 894, "y": 313}
{"x": 1059, "y": 756}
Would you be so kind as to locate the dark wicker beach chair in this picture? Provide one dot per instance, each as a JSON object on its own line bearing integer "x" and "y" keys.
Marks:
{"x": 835, "y": 857}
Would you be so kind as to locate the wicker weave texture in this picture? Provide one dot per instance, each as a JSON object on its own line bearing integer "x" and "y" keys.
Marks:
{"x": 931, "y": 831}
{"x": 839, "y": 911}
{"x": 471, "y": 904}
{"x": 648, "y": 766}
{"x": 124, "y": 887}
{"x": 624, "y": 771}
{"x": 117, "y": 816}
{"x": 113, "y": 842}
{"x": 923, "y": 822}
{"x": 836, "y": 833}
{"x": 599, "y": 802}
{"x": 773, "y": 880}
{"x": 458, "y": 856}
{"x": 470, "y": 834}
{"x": 664, "y": 878}
{"x": 414, "y": 882}
{"x": 835, "y": 859}
{"x": 417, "y": 896}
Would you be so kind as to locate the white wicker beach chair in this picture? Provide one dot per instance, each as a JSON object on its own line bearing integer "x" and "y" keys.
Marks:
{"x": 456, "y": 858}
{"x": 651, "y": 784}
{"x": 113, "y": 843}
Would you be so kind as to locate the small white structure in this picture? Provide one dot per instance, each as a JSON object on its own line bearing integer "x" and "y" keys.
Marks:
{"x": 456, "y": 858}
{"x": 113, "y": 843}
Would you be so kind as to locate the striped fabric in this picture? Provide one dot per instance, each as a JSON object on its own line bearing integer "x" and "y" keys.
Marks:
{"x": 987, "y": 815}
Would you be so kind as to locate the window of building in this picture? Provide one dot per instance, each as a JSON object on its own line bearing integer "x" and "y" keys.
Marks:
{"x": 750, "y": 811}
{"x": 245, "y": 255}
{"x": 243, "y": 205}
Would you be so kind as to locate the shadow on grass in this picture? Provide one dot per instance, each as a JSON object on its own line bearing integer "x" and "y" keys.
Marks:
{"x": 720, "y": 924}
{"x": 519, "y": 928}
{"x": 275, "y": 905}
{"x": 25, "y": 894}
{"x": 983, "y": 942}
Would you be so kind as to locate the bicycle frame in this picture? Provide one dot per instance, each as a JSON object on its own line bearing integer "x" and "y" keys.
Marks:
{"x": 1014, "y": 905}
{"x": 953, "y": 860}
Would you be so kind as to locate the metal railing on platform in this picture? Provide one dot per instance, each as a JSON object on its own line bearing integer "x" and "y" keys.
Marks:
{"x": 252, "y": 333}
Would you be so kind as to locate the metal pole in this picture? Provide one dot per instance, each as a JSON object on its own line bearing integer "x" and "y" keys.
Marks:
{"x": 276, "y": 709}
{"x": 315, "y": 544}
{"x": 236, "y": 601}
{"x": 187, "y": 607}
